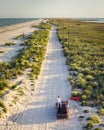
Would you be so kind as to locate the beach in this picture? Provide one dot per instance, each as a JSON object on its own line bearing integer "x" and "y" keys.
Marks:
{"x": 31, "y": 104}
{"x": 36, "y": 109}
{"x": 9, "y": 33}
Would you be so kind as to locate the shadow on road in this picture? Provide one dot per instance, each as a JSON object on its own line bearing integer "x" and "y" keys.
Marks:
{"x": 38, "y": 116}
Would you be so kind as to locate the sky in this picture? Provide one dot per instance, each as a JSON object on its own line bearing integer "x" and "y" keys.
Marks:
{"x": 51, "y": 8}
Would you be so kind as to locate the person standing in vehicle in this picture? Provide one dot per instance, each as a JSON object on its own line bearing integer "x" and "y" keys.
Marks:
{"x": 68, "y": 108}
{"x": 59, "y": 104}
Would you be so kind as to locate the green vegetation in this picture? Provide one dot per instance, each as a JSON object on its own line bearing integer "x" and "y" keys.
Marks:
{"x": 83, "y": 45}
{"x": 4, "y": 84}
{"x": 97, "y": 129}
{"x": 94, "y": 119}
{"x": 2, "y": 51}
{"x": 21, "y": 92}
{"x": 89, "y": 125}
{"x": 101, "y": 112}
{"x": 20, "y": 36}
{"x": 43, "y": 26}
{"x": 2, "y": 105}
{"x": 31, "y": 56}
{"x": 15, "y": 100}
{"x": 76, "y": 93}
{"x": 81, "y": 116}
{"x": 9, "y": 43}
{"x": 86, "y": 111}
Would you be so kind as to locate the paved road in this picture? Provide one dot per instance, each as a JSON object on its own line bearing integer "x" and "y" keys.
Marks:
{"x": 40, "y": 112}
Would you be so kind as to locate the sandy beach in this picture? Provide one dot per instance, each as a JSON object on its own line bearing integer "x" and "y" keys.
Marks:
{"x": 9, "y": 33}
{"x": 36, "y": 109}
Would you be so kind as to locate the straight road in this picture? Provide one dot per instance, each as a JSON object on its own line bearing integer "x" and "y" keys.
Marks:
{"x": 40, "y": 112}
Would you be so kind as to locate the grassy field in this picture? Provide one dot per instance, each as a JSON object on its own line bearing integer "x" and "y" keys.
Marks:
{"x": 83, "y": 45}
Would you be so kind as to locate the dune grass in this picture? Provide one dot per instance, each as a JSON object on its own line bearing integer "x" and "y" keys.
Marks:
{"x": 83, "y": 45}
{"x": 31, "y": 56}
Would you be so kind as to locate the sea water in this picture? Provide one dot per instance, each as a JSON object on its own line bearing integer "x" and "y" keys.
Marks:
{"x": 11, "y": 21}
{"x": 95, "y": 20}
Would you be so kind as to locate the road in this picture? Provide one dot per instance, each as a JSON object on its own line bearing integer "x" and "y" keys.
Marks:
{"x": 40, "y": 112}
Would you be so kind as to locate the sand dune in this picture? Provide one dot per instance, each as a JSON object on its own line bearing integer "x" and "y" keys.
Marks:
{"x": 8, "y": 34}
{"x": 36, "y": 110}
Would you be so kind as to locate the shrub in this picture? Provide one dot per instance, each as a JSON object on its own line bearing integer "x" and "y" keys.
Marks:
{"x": 74, "y": 93}
{"x": 101, "y": 112}
{"x": 84, "y": 103}
{"x": 14, "y": 86}
{"x": 97, "y": 129}
{"x": 95, "y": 84}
{"x": 84, "y": 97}
{"x": 70, "y": 78}
{"x": 4, "y": 84}
{"x": 89, "y": 125}
{"x": 82, "y": 82}
{"x": 2, "y": 105}
{"x": 80, "y": 75}
{"x": 89, "y": 118}
{"x": 9, "y": 43}
{"x": 74, "y": 67}
{"x": 21, "y": 92}
{"x": 90, "y": 88}
{"x": 43, "y": 26}
{"x": 86, "y": 71}
{"x": 0, "y": 114}
{"x": 94, "y": 119}
{"x": 89, "y": 77}
{"x": 86, "y": 111}
{"x": 87, "y": 92}
{"x": 73, "y": 83}
{"x": 81, "y": 116}
{"x": 15, "y": 99}
{"x": 2, "y": 51}
{"x": 2, "y": 93}
{"x": 20, "y": 36}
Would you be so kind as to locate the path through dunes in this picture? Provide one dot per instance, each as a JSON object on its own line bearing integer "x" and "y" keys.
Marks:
{"x": 40, "y": 112}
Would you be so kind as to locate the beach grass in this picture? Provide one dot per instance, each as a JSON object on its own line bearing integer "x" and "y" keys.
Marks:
{"x": 83, "y": 45}
{"x": 30, "y": 56}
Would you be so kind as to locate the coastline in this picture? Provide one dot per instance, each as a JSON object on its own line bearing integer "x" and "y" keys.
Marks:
{"x": 91, "y": 20}
{"x": 8, "y": 34}
{"x": 19, "y": 25}
{"x": 12, "y": 21}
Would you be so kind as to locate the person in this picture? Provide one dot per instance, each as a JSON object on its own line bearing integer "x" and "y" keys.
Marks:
{"x": 59, "y": 104}
{"x": 68, "y": 106}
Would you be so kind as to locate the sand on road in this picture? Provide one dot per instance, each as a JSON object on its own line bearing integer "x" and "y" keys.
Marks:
{"x": 40, "y": 112}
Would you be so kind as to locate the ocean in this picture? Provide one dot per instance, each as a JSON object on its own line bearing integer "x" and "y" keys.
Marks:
{"x": 11, "y": 21}
{"x": 95, "y": 20}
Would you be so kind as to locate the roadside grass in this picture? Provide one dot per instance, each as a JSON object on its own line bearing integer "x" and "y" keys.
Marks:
{"x": 9, "y": 43}
{"x": 3, "y": 107}
{"x": 83, "y": 45}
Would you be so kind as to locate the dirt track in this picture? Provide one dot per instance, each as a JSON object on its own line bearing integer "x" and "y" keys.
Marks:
{"x": 40, "y": 112}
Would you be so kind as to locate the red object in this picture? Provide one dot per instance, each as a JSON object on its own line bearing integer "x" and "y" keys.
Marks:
{"x": 75, "y": 98}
